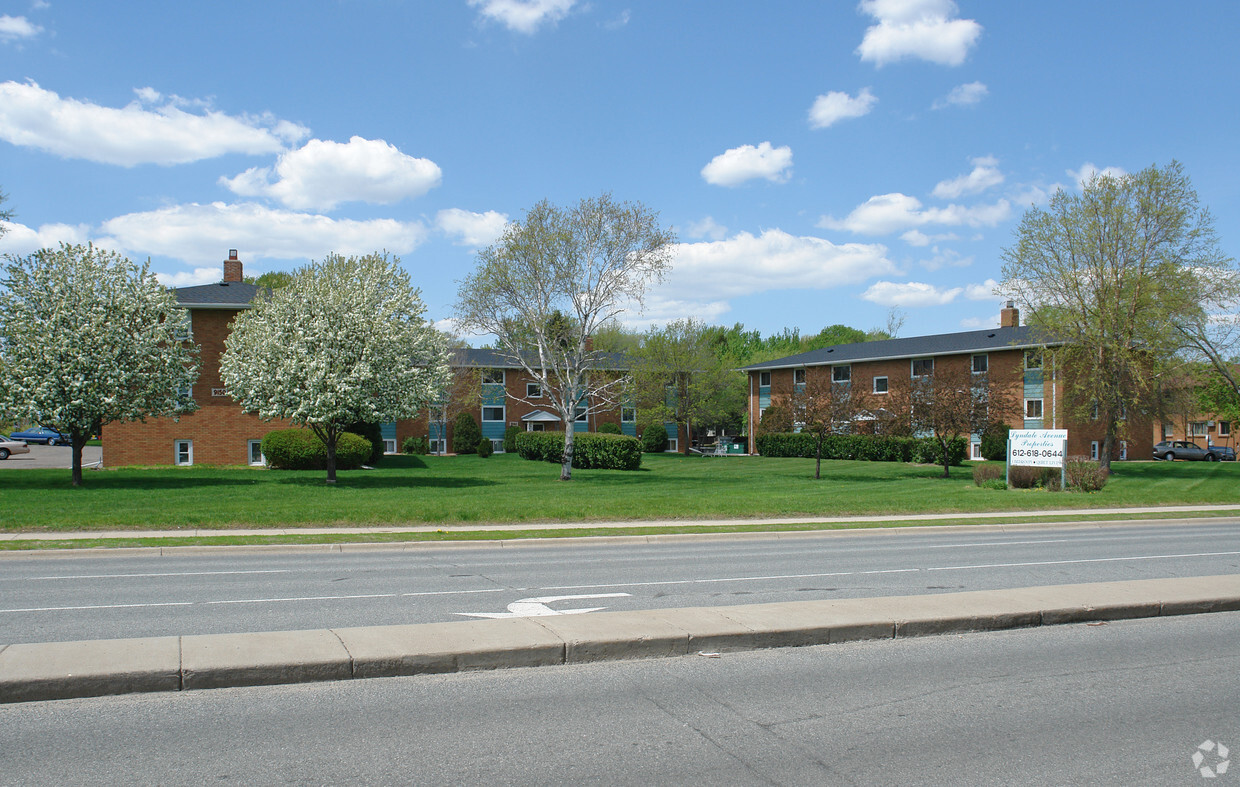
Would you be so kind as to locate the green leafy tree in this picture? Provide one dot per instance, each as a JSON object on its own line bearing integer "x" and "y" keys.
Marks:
{"x": 465, "y": 434}
{"x": 1114, "y": 273}
{"x": 90, "y": 338}
{"x": 551, "y": 282}
{"x": 272, "y": 280}
{"x": 345, "y": 342}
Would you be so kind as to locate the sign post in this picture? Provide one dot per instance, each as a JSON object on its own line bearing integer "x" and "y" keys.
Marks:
{"x": 1038, "y": 448}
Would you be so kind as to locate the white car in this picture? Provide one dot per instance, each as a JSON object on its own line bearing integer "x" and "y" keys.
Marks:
{"x": 9, "y": 447}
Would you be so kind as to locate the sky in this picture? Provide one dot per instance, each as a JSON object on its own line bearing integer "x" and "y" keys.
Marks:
{"x": 819, "y": 162}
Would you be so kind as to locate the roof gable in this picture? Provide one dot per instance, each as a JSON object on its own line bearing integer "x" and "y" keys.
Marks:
{"x": 222, "y": 295}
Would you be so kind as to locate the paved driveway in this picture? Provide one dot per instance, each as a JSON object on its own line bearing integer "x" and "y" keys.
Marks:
{"x": 44, "y": 456}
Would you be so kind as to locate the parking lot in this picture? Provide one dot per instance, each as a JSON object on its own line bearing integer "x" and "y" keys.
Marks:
{"x": 43, "y": 456}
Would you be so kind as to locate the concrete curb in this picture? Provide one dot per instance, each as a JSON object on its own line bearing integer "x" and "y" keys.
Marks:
{"x": 62, "y": 670}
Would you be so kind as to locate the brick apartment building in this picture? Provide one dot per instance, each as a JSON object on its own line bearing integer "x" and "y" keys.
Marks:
{"x": 1011, "y": 350}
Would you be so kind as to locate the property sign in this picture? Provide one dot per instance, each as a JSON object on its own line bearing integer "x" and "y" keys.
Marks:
{"x": 1037, "y": 447}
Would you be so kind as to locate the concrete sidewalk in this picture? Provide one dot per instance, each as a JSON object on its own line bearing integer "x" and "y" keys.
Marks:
{"x": 61, "y": 670}
{"x": 1124, "y": 515}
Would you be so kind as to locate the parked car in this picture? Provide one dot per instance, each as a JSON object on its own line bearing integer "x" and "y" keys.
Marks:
{"x": 1183, "y": 449}
{"x": 1225, "y": 453}
{"x": 42, "y": 434}
{"x": 9, "y": 446}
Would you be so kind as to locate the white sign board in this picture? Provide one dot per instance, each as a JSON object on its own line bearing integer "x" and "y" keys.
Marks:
{"x": 1037, "y": 447}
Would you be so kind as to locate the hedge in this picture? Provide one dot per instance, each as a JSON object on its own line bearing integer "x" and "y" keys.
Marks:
{"x": 862, "y": 447}
{"x": 654, "y": 439}
{"x": 591, "y": 451}
{"x": 301, "y": 449}
{"x": 510, "y": 439}
{"x": 465, "y": 434}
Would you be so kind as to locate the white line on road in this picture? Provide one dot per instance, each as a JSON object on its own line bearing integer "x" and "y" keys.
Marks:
{"x": 142, "y": 576}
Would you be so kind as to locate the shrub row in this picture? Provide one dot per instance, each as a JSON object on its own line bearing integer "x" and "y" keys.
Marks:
{"x": 301, "y": 449}
{"x": 863, "y": 447}
{"x": 590, "y": 450}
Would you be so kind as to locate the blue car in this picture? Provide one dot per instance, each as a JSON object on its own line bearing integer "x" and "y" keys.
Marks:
{"x": 42, "y": 434}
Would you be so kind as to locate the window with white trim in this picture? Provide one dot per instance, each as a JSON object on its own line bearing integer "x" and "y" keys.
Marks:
{"x": 497, "y": 446}
{"x": 673, "y": 445}
{"x": 628, "y": 415}
{"x": 880, "y": 385}
{"x": 183, "y": 452}
{"x": 437, "y": 446}
{"x": 389, "y": 446}
{"x": 981, "y": 364}
{"x": 493, "y": 413}
{"x": 255, "y": 448}
{"x": 533, "y": 391}
{"x": 1033, "y": 359}
{"x": 492, "y": 376}
{"x": 841, "y": 374}
{"x": 975, "y": 450}
{"x": 184, "y": 329}
{"x": 1093, "y": 450}
{"x": 1224, "y": 428}
{"x": 764, "y": 378}
{"x": 923, "y": 367}
{"x": 1033, "y": 408}
{"x": 798, "y": 377}
{"x": 1196, "y": 428}
{"x": 579, "y": 415}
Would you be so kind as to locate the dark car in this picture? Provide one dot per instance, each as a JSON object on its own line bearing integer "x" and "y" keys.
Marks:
{"x": 1224, "y": 453}
{"x": 42, "y": 434}
{"x": 1183, "y": 449}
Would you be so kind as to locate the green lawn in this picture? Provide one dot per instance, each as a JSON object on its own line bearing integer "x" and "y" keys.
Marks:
{"x": 508, "y": 491}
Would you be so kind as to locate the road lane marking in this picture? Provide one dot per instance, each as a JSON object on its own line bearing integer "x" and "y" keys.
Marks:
{"x": 1082, "y": 560}
{"x": 143, "y": 576}
{"x": 537, "y": 607}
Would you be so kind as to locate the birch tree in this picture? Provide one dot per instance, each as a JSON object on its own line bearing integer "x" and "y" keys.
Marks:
{"x": 1116, "y": 273}
{"x": 344, "y": 342}
{"x": 551, "y": 282}
{"x": 87, "y": 338}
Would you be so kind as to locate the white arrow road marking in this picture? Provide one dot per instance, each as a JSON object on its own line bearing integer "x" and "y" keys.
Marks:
{"x": 537, "y": 607}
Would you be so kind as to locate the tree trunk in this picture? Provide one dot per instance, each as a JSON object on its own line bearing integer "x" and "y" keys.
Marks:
{"x": 566, "y": 463}
{"x": 818, "y": 458}
{"x": 1104, "y": 454}
{"x": 947, "y": 467}
{"x": 79, "y": 442}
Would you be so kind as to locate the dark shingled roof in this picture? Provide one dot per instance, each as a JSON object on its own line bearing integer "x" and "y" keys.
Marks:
{"x": 989, "y": 340}
{"x": 223, "y": 295}
{"x": 474, "y": 358}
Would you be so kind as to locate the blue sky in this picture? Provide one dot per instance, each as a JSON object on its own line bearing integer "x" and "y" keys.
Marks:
{"x": 821, "y": 162}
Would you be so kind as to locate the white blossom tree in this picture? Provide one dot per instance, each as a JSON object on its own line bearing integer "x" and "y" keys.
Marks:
{"x": 551, "y": 282}
{"x": 344, "y": 342}
{"x": 88, "y": 337}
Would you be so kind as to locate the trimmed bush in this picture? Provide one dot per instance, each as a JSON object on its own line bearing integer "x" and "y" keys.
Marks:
{"x": 1021, "y": 477}
{"x": 654, "y": 439}
{"x": 987, "y": 475}
{"x": 510, "y": 439}
{"x": 465, "y": 434}
{"x": 994, "y": 442}
{"x": 1085, "y": 475}
{"x": 591, "y": 451}
{"x": 415, "y": 445}
{"x": 374, "y": 435}
{"x": 301, "y": 449}
{"x": 862, "y": 447}
{"x": 485, "y": 448}
{"x": 608, "y": 427}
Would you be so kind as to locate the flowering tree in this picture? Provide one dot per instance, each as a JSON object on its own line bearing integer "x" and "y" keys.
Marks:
{"x": 88, "y": 337}
{"x": 344, "y": 342}
{"x": 555, "y": 279}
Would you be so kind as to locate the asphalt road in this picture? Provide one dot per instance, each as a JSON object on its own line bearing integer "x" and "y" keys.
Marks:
{"x": 1129, "y": 702}
{"x": 54, "y": 456}
{"x": 58, "y": 598}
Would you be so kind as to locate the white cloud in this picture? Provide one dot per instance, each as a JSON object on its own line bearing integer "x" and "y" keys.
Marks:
{"x": 21, "y": 240}
{"x": 735, "y": 166}
{"x": 976, "y": 323}
{"x": 660, "y": 310}
{"x": 1088, "y": 172}
{"x": 831, "y": 107}
{"x": 919, "y": 238}
{"x": 945, "y": 258}
{"x": 33, "y": 117}
{"x": 322, "y": 174}
{"x": 887, "y": 213}
{"x": 921, "y": 29}
{"x": 746, "y": 264}
{"x": 619, "y": 20}
{"x": 912, "y": 294}
{"x": 471, "y": 229}
{"x": 982, "y": 292}
{"x": 13, "y": 28}
{"x": 985, "y": 175}
{"x": 1033, "y": 194}
{"x": 962, "y": 96}
{"x": 707, "y": 228}
{"x": 191, "y": 278}
{"x": 523, "y": 16}
{"x": 199, "y": 234}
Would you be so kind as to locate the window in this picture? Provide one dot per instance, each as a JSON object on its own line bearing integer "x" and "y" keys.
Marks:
{"x": 437, "y": 446}
{"x": 183, "y": 452}
{"x": 673, "y": 445}
{"x": 1093, "y": 450}
{"x": 880, "y": 385}
{"x": 798, "y": 377}
{"x": 1033, "y": 359}
{"x": 256, "y": 453}
{"x": 492, "y": 376}
{"x": 389, "y": 446}
{"x": 579, "y": 415}
{"x": 185, "y": 392}
{"x": 1123, "y": 450}
{"x": 1224, "y": 428}
{"x": 923, "y": 367}
{"x": 1168, "y": 431}
{"x": 841, "y": 374}
{"x": 628, "y": 415}
{"x": 975, "y": 450}
{"x": 184, "y": 329}
{"x": 764, "y": 378}
{"x": 981, "y": 364}
{"x": 533, "y": 391}
{"x": 1033, "y": 408}
{"x": 1197, "y": 429}
{"x": 497, "y": 446}
{"x": 1093, "y": 412}
{"x": 493, "y": 413}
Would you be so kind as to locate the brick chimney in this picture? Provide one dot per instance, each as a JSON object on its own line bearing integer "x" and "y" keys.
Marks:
{"x": 1009, "y": 316}
{"x": 232, "y": 267}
